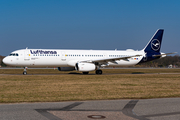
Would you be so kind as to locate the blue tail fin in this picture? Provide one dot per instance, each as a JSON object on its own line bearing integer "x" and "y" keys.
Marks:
{"x": 154, "y": 44}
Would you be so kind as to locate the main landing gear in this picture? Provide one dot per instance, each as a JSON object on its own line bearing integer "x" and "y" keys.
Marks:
{"x": 99, "y": 72}
{"x": 25, "y": 71}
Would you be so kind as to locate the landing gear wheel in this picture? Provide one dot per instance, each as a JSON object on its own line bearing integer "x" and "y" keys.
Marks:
{"x": 99, "y": 72}
{"x": 85, "y": 73}
{"x": 24, "y": 73}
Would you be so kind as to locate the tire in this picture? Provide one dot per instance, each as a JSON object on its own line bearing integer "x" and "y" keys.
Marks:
{"x": 24, "y": 73}
{"x": 99, "y": 72}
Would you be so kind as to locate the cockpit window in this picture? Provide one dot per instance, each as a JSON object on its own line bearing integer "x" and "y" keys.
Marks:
{"x": 14, "y": 54}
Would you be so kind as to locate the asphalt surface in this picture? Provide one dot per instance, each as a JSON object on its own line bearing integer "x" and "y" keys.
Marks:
{"x": 148, "y": 109}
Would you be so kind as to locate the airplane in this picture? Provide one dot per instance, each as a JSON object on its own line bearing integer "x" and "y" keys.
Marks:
{"x": 86, "y": 60}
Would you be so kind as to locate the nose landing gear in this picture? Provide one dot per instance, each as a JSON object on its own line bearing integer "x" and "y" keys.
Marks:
{"x": 25, "y": 71}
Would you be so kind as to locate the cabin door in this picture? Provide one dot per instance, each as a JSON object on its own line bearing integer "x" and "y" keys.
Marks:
{"x": 26, "y": 55}
{"x": 63, "y": 56}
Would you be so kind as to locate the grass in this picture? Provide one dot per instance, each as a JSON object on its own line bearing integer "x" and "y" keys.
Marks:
{"x": 61, "y": 86}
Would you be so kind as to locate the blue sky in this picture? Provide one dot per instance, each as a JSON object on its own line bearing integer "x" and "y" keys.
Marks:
{"x": 88, "y": 24}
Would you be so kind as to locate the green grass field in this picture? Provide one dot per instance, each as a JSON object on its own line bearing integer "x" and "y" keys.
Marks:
{"x": 62, "y": 86}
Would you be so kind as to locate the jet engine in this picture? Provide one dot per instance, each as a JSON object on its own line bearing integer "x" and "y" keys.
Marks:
{"x": 85, "y": 67}
{"x": 66, "y": 68}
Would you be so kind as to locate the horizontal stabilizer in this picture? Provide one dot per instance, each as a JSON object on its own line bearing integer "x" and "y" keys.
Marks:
{"x": 164, "y": 54}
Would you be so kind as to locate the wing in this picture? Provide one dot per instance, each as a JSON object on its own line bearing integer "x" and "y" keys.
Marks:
{"x": 113, "y": 60}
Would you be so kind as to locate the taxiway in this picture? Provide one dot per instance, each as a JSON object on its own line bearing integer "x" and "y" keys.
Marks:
{"x": 148, "y": 109}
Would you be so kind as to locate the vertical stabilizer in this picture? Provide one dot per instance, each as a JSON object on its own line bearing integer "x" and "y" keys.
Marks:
{"x": 154, "y": 44}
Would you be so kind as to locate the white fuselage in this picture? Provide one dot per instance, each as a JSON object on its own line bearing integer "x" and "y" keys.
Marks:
{"x": 68, "y": 58}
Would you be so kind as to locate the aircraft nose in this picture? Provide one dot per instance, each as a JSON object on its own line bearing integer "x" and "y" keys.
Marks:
{"x": 6, "y": 60}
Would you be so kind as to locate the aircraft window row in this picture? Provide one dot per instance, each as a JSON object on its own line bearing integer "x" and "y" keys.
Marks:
{"x": 118, "y": 55}
{"x": 44, "y": 55}
{"x": 14, "y": 54}
{"x": 84, "y": 55}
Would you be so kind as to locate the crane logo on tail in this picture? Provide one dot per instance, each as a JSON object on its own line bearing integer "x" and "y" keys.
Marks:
{"x": 155, "y": 44}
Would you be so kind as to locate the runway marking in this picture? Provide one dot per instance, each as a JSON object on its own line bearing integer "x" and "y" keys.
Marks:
{"x": 128, "y": 110}
{"x": 69, "y": 107}
{"x": 50, "y": 116}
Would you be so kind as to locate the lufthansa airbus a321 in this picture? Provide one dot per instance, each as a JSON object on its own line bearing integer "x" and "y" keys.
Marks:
{"x": 86, "y": 60}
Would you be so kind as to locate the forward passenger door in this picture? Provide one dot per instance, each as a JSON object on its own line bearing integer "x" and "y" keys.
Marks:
{"x": 26, "y": 55}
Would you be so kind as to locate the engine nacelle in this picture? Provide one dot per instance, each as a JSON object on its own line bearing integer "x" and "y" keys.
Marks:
{"x": 85, "y": 67}
{"x": 66, "y": 68}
